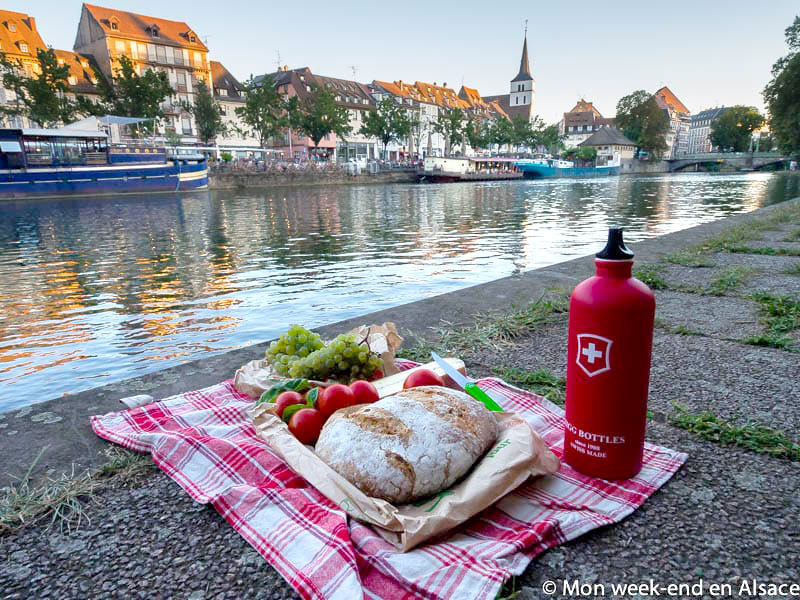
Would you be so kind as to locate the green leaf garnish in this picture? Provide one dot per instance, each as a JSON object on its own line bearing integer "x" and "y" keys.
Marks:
{"x": 290, "y": 385}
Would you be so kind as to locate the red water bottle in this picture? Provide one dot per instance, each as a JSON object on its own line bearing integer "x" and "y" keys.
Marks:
{"x": 608, "y": 366}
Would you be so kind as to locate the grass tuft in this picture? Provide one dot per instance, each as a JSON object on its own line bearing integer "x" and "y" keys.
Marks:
{"x": 492, "y": 331}
{"x": 730, "y": 279}
{"x": 793, "y": 237}
{"x": 757, "y": 438}
{"x": 780, "y": 315}
{"x": 651, "y": 275}
{"x": 62, "y": 499}
{"x": 541, "y": 382}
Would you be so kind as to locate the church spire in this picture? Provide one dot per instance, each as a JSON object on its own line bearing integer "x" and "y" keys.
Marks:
{"x": 524, "y": 67}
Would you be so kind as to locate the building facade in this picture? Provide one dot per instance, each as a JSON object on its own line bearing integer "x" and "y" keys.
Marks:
{"x": 611, "y": 145}
{"x": 679, "y": 121}
{"x": 229, "y": 94}
{"x": 19, "y": 41}
{"x": 580, "y": 123}
{"x": 353, "y": 96}
{"x": 700, "y": 130}
{"x": 171, "y": 47}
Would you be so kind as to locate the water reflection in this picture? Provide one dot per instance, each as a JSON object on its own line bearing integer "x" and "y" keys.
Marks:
{"x": 95, "y": 289}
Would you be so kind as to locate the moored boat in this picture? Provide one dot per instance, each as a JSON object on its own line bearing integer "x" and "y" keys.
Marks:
{"x": 54, "y": 162}
{"x": 437, "y": 169}
{"x": 553, "y": 167}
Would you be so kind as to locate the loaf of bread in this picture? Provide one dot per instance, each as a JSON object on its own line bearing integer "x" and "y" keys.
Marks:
{"x": 409, "y": 445}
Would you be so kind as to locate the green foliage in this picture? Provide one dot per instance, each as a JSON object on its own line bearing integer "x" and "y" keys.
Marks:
{"x": 133, "y": 95}
{"x": 477, "y": 133}
{"x": 733, "y": 130}
{"x": 172, "y": 138}
{"x": 541, "y": 382}
{"x": 651, "y": 275}
{"x": 782, "y": 94}
{"x": 264, "y": 113}
{"x": 207, "y": 114}
{"x": 757, "y": 438}
{"x": 582, "y": 153}
{"x": 389, "y": 123}
{"x": 41, "y": 97}
{"x": 730, "y": 279}
{"x": 549, "y": 137}
{"x": 501, "y": 131}
{"x": 226, "y": 156}
{"x": 321, "y": 115}
{"x": 643, "y": 121}
{"x": 450, "y": 124}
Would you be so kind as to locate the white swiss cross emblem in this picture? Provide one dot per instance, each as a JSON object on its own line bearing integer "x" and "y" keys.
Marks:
{"x": 593, "y": 354}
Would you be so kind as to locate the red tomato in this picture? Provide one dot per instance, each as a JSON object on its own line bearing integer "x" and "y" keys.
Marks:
{"x": 334, "y": 397}
{"x": 364, "y": 392}
{"x": 306, "y": 424}
{"x": 422, "y": 377}
{"x": 378, "y": 374}
{"x": 285, "y": 399}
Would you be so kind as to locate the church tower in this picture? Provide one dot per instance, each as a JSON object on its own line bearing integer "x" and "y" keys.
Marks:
{"x": 523, "y": 87}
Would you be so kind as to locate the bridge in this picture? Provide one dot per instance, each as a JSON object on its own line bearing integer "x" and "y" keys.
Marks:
{"x": 743, "y": 161}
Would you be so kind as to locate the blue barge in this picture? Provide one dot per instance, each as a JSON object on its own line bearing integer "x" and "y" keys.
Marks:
{"x": 537, "y": 168}
{"x": 55, "y": 162}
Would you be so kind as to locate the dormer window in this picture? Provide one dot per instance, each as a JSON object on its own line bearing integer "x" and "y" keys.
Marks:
{"x": 153, "y": 30}
{"x": 113, "y": 22}
{"x": 11, "y": 27}
{"x": 192, "y": 37}
{"x": 23, "y": 47}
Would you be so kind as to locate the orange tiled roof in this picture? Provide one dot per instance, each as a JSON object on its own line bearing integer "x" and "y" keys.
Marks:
{"x": 584, "y": 106}
{"x": 139, "y": 27}
{"x": 671, "y": 100}
{"x": 441, "y": 95}
{"x": 80, "y": 67}
{"x": 25, "y": 32}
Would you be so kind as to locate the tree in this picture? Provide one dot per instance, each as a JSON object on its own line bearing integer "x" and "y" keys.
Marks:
{"x": 450, "y": 124}
{"x": 207, "y": 114}
{"x": 551, "y": 139}
{"x": 388, "y": 123}
{"x": 321, "y": 115}
{"x": 782, "y": 94}
{"x": 133, "y": 95}
{"x": 477, "y": 133}
{"x": 733, "y": 129}
{"x": 501, "y": 131}
{"x": 42, "y": 96}
{"x": 643, "y": 121}
{"x": 264, "y": 113}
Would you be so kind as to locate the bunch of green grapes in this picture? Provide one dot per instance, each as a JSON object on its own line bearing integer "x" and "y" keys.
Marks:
{"x": 296, "y": 343}
{"x": 344, "y": 359}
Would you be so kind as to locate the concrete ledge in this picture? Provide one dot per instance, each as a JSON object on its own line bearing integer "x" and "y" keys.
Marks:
{"x": 242, "y": 180}
{"x": 62, "y": 426}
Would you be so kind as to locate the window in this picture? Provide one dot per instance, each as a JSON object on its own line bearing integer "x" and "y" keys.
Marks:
{"x": 23, "y": 47}
{"x": 154, "y": 31}
{"x": 72, "y": 80}
{"x": 12, "y": 27}
{"x": 180, "y": 77}
{"x": 186, "y": 126}
{"x": 119, "y": 45}
{"x": 223, "y": 92}
{"x": 114, "y": 24}
{"x": 151, "y": 52}
{"x": 161, "y": 54}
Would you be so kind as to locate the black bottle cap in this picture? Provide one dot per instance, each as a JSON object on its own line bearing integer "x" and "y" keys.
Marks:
{"x": 615, "y": 248}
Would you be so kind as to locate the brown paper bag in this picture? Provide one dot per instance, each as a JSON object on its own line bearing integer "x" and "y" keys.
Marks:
{"x": 518, "y": 453}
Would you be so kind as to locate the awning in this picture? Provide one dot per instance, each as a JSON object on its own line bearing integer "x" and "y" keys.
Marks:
{"x": 10, "y": 146}
{"x": 115, "y": 120}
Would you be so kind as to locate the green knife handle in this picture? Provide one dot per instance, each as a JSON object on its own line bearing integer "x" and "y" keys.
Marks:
{"x": 481, "y": 396}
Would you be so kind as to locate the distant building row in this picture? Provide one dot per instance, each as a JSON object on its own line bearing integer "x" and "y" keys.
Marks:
{"x": 173, "y": 47}
{"x": 688, "y": 134}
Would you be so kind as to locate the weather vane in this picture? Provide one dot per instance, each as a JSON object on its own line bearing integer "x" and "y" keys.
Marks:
{"x": 526, "y": 27}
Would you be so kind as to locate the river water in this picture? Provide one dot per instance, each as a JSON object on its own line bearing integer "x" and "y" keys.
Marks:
{"x": 94, "y": 290}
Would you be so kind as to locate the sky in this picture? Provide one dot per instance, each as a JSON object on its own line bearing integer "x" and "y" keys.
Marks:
{"x": 708, "y": 53}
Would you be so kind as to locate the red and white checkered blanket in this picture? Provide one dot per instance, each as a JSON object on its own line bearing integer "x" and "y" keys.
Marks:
{"x": 204, "y": 441}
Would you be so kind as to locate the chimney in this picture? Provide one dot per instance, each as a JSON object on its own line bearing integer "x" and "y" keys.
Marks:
{"x": 444, "y": 84}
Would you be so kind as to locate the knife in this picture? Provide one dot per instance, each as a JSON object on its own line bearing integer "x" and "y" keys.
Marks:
{"x": 468, "y": 385}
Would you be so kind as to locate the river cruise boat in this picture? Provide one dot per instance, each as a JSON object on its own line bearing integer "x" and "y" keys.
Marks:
{"x": 55, "y": 162}
{"x": 536, "y": 168}
{"x": 437, "y": 169}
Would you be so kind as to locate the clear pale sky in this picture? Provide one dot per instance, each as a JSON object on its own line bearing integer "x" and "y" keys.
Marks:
{"x": 708, "y": 53}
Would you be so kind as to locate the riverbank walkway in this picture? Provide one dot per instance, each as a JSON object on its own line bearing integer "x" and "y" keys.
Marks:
{"x": 725, "y": 388}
